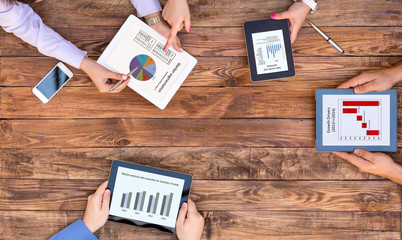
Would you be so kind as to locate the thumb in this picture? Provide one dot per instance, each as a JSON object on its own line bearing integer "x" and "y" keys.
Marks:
{"x": 106, "y": 201}
{"x": 182, "y": 214}
{"x": 369, "y": 156}
{"x": 281, "y": 15}
{"x": 367, "y": 87}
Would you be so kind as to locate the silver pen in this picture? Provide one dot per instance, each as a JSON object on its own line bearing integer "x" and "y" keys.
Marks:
{"x": 332, "y": 43}
{"x": 121, "y": 81}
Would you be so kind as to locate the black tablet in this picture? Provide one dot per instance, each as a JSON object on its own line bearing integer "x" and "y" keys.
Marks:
{"x": 146, "y": 196}
{"x": 269, "y": 49}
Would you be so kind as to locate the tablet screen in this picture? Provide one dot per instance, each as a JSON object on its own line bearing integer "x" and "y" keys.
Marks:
{"x": 146, "y": 197}
{"x": 269, "y": 52}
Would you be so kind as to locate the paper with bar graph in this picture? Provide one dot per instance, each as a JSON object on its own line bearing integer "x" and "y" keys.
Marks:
{"x": 269, "y": 51}
{"x": 356, "y": 120}
{"x": 146, "y": 197}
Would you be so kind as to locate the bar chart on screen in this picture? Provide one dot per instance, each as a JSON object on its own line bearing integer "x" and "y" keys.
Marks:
{"x": 360, "y": 120}
{"x": 146, "y": 197}
{"x": 152, "y": 204}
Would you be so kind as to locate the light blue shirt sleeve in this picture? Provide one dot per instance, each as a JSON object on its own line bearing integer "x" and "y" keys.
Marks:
{"x": 77, "y": 231}
{"x": 146, "y": 7}
{"x": 23, "y": 22}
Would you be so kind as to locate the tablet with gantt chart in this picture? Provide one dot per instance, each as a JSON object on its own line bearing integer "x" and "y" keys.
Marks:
{"x": 345, "y": 120}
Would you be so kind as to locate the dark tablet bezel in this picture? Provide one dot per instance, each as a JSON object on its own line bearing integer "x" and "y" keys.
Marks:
{"x": 393, "y": 122}
{"x": 266, "y": 25}
{"x": 112, "y": 180}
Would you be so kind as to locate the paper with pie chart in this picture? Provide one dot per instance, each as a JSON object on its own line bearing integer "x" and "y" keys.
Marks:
{"x": 159, "y": 73}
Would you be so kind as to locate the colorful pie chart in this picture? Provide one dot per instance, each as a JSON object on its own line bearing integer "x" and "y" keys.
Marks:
{"x": 146, "y": 67}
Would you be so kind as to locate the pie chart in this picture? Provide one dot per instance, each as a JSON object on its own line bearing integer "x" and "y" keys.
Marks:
{"x": 146, "y": 67}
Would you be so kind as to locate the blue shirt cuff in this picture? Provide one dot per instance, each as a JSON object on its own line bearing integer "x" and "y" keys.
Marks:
{"x": 77, "y": 230}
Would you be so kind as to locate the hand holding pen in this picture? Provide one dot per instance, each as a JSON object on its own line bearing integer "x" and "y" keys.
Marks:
{"x": 121, "y": 81}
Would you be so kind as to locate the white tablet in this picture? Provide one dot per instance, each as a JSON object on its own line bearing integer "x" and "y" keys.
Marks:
{"x": 159, "y": 74}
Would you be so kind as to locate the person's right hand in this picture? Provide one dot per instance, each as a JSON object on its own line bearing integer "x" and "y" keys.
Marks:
{"x": 376, "y": 80}
{"x": 103, "y": 78}
{"x": 97, "y": 211}
{"x": 177, "y": 14}
{"x": 190, "y": 223}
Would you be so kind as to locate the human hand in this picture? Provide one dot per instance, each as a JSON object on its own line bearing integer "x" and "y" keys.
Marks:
{"x": 375, "y": 163}
{"x": 296, "y": 15}
{"x": 97, "y": 211}
{"x": 177, "y": 14}
{"x": 190, "y": 223}
{"x": 376, "y": 80}
{"x": 103, "y": 78}
{"x": 164, "y": 29}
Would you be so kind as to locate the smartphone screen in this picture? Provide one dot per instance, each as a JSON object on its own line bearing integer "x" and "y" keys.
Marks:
{"x": 52, "y": 82}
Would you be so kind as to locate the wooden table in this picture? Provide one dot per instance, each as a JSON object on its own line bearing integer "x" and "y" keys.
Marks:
{"x": 249, "y": 146}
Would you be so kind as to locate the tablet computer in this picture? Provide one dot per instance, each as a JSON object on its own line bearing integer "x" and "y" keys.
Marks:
{"x": 345, "y": 120}
{"x": 269, "y": 49}
{"x": 146, "y": 196}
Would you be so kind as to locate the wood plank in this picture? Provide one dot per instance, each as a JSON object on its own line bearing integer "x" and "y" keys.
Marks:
{"x": 222, "y": 13}
{"x": 314, "y": 72}
{"x": 210, "y": 195}
{"x": 220, "y": 225}
{"x": 189, "y": 102}
{"x": 159, "y": 132}
{"x": 212, "y": 163}
{"x": 229, "y": 41}
{"x": 156, "y": 132}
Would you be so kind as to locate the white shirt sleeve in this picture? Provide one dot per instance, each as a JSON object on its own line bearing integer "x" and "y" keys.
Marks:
{"x": 146, "y": 7}
{"x": 24, "y": 23}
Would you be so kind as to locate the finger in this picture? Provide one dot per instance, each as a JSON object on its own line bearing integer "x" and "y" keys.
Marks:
{"x": 182, "y": 214}
{"x": 369, "y": 156}
{"x": 353, "y": 159}
{"x": 121, "y": 86}
{"x": 192, "y": 209}
{"x": 356, "y": 81}
{"x": 106, "y": 201}
{"x": 101, "y": 189}
{"x": 281, "y": 15}
{"x": 187, "y": 24}
{"x": 177, "y": 45}
{"x": 172, "y": 36}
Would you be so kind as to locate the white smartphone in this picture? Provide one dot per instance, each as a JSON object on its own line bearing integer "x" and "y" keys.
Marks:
{"x": 52, "y": 82}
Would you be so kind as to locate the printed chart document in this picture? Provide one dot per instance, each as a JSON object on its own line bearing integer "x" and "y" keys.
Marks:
{"x": 159, "y": 73}
{"x": 146, "y": 197}
{"x": 356, "y": 119}
{"x": 269, "y": 51}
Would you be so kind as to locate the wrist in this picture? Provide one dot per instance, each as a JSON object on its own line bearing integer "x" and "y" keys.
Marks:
{"x": 397, "y": 72}
{"x": 396, "y": 173}
{"x": 152, "y": 15}
{"x": 88, "y": 226}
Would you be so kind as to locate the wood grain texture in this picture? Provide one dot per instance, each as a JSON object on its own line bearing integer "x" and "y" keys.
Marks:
{"x": 312, "y": 72}
{"x": 212, "y": 163}
{"x": 229, "y": 41}
{"x": 189, "y": 102}
{"x": 220, "y": 225}
{"x": 369, "y": 196}
{"x": 212, "y": 13}
{"x": 156, "y": 132}
{"x": 159, "y": 133}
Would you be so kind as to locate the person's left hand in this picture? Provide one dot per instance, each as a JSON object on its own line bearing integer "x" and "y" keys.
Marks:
{"x": 97, "y": 211}
{"x": 177, "y": 14}
{"x": 296, "y": 15}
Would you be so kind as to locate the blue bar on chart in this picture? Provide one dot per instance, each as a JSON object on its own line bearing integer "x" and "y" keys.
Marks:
{"x": 273, "y": 49}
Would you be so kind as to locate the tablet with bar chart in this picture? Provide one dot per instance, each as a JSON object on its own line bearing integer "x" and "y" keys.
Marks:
{"x": 146, "y": 196}
{"x": 345, "y": 121}
{"x": 269, "y": 49}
